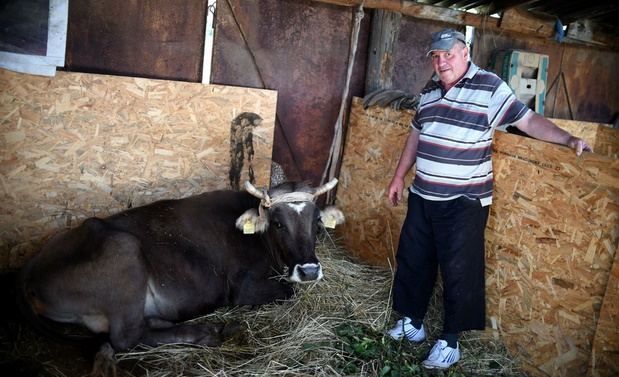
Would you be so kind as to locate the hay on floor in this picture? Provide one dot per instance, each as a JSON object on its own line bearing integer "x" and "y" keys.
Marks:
{"x": 299, "y": 337}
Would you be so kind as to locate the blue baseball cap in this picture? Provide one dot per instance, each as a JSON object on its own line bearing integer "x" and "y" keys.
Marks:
{"x": 444, "y": 40}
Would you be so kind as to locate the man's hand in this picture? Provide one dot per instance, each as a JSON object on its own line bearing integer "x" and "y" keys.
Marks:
{"x": 578, "y": 145}
{"x": 541, "y": 128}
{"x": 396, "y": 188}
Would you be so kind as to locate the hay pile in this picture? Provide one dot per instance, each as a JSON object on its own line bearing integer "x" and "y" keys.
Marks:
{"x": 333, "y": 327}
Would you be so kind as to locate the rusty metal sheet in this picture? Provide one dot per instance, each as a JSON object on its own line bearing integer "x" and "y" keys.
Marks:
{"x": 156, "y": 38}
{"x": 300, "y": 49}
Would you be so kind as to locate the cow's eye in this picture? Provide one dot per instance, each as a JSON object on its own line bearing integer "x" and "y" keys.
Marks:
{"x": 277, "y": 224}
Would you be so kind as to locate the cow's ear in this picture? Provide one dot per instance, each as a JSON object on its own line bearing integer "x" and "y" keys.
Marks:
{"x": 331, "y": 216}
{"x": 251, "y": 222}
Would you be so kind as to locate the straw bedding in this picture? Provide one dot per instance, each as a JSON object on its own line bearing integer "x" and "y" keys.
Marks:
{"x": 334, "y": 327}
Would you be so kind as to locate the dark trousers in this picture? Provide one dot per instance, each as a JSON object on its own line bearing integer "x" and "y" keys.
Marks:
{"x": 449, "y": 235}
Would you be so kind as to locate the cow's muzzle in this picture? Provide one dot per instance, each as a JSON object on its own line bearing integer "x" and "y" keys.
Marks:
{"x": 306, "y": 273}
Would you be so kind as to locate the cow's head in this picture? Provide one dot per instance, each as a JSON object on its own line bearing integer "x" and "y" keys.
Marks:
{"x": 289, "y": 217}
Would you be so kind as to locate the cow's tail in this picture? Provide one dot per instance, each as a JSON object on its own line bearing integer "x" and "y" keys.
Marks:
{"x": 44, "y": 325}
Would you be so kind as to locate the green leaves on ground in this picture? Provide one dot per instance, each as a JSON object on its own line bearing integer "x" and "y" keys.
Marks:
{"x": 364, "y": 348}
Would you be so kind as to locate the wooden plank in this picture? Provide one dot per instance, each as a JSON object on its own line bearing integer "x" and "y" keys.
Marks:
{"x": 602, "y": 137}
{"x": 374, "y": 142}
{"x": 422, "y": 11}
{"x": 521, "y": 21}
{"x": 513, "y": 20}
{"x": 78, "y": 145}
{"x": 383, "y": 40}
{"x": 607, "y": 141}
{"x": 551, "y": 241}
{"x": 604, "y": 360}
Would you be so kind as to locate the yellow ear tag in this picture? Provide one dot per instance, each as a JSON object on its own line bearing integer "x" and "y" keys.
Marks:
{"x": 248, "y": 228}
{"x": 330, "y": 223}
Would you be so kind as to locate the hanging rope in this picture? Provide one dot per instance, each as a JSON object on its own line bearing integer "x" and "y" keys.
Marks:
{"x": 337, "y": 144}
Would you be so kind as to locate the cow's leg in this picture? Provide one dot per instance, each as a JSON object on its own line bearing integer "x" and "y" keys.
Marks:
{"x": 208, "y": 334}
{"x": 93, "y": 275}
{"x": 120, "y": 280}
{"x": 129, "y": 328}
{"x": 104, "y": 364}
{"x": 256, "y": 290}
{"x": 123, "y": 293}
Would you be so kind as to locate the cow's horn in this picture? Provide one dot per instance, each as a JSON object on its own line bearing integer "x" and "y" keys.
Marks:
{"x": 265, "y": 195}
{"x": 252, "y": 190}
{"x": 326, "y": 187}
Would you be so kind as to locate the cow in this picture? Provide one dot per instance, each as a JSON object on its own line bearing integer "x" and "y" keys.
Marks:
{"x": 138, "y": 275}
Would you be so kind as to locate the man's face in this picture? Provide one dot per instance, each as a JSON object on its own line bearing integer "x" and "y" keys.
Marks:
{"x": 450, "y": 66}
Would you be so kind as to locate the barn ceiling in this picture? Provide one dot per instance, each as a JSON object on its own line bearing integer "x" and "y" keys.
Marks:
{"x": 602, "y": 13}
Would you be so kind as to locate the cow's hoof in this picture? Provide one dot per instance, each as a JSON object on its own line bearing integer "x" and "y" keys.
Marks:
{"x": 210, "y": 341}
{"x": 208, "y": 334}
{"x": 213, "y": 335}
{"x": 104, "y": 364}
{"x": 234, "y": 332}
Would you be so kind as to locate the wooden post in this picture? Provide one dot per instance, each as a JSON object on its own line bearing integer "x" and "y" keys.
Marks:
{"x": 383, "y": 39}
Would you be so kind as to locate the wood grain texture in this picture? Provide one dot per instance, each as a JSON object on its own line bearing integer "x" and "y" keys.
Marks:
{"x": 80, "y": 145}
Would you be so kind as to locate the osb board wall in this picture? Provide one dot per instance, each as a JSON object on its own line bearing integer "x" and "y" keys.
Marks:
{"x": 375, "y": 139}
{"x": 78, "y": 145}
{"x": 602, "y": 137}
{"x": 604, "y": 358}
{"x": 551, "y": 237}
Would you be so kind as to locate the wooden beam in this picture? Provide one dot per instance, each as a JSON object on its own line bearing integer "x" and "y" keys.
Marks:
{"x": 535, "y": 24}
{"x": 422, "y": 11}
{"x": 518, "y": 19}
{"x": 383, "y": 41}
{"x": 501, "y": 6}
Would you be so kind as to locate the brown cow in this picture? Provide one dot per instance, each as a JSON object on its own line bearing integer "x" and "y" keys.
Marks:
{"x": 138, "y": 274}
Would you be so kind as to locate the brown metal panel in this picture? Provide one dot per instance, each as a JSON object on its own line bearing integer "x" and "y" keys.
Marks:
{"x": 590, "y": 84}
{"x": 156, "y": 38}
{"x": 412, "y": 68}
{"x": 300, "y": 49}
{"x": 590, "y": 74}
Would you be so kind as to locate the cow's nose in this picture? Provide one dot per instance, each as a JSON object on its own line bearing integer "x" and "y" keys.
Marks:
{"x": 306, "y": 273}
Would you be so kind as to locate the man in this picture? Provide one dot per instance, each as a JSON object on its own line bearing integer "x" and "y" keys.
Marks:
{"x": 451, "y": 143}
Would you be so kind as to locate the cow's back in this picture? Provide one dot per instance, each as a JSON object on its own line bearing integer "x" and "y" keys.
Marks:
{"x": 197, "y": 259}
{"x": 199, "y": 226}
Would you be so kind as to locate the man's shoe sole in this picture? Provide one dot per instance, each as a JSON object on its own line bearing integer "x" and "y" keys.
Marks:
{"x": 435, "y": 367}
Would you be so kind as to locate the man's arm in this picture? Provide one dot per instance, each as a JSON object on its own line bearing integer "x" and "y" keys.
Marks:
{"x": 407, "y": 160}
{"x": 539, "y": 127}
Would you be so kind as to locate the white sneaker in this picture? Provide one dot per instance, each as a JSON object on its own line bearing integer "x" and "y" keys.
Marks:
{"x": 442, "y": 356}
{"x": 404, "y": 327}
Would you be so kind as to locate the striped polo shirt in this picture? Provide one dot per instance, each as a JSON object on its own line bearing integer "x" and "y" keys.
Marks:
{"x": 455, "y": 145}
